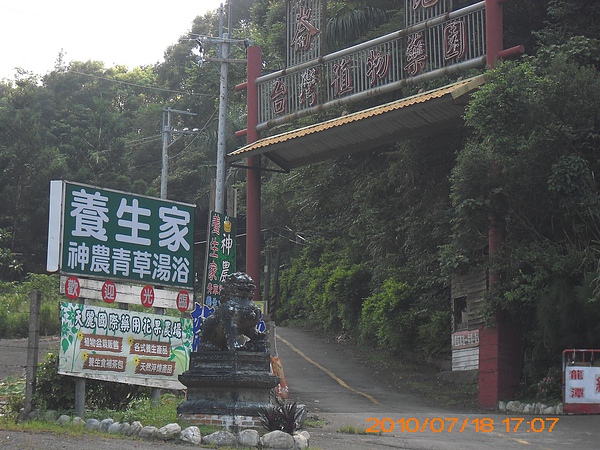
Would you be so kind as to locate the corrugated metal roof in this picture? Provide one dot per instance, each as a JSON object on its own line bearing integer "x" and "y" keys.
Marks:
{"x": 401, "y": 119}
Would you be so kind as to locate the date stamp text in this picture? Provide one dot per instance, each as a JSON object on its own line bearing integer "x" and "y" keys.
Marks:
{"x": 460, "y": 425}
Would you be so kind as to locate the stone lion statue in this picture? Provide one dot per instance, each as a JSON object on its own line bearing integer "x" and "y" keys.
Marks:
{"x": 233, "y": 324}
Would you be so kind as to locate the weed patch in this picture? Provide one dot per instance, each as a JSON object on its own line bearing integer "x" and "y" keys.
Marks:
{"x": 349, "y": 429}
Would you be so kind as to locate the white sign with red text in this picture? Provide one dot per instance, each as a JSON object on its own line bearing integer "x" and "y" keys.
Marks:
{"x": 111, "y": 344}
{"x": 582, "y": 384}
{"x": 85, "y": 288}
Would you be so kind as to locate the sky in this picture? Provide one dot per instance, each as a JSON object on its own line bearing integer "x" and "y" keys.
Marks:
{"x": 117, "y": 32}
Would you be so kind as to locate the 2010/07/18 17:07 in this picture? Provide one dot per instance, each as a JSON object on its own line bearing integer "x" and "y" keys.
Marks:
{"x": 454, "y": 424}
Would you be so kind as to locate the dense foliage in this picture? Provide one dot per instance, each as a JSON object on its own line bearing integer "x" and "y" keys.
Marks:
{"x": 531, "y": 162}
{"x": 367, "y": 244}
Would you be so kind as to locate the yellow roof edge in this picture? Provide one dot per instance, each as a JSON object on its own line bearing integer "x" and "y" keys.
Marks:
{"x": 456, "y": 90}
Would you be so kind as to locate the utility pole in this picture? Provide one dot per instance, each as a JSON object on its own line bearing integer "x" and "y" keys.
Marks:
{"x": 223, "y": 57}
{"x": 223, "y": 54}
{"x": 169, "y": 137}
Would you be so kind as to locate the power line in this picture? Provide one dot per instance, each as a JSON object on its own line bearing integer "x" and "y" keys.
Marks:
{"x": 184, "y": 149}
{"x": 159, "y": 136}
{"x": 152, "y": 88}
{"x": 143, "y": 141}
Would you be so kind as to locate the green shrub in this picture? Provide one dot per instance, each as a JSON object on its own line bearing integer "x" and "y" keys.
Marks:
{"x": 399, "y": 318}
{"x": 434, "y": 334}
{"x": 14, "y": 315}
{"x": 55, "y": 391}
{"x": 386, "y": 318}
{"x": 49, "y": 319}
{"x": 345, "y": 290}
{"x": 145, "y": 410}
{"x": 325, "y": 287}
{"x": 549, "y": 388}
{"x": 13, "y": 390}
{"x": 17, "y": 324}
{"x": 14, "y": 403}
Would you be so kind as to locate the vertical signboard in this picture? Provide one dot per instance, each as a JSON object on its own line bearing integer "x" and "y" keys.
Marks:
{"x": 465, "y": 350}
{"x": 124, "y": 346}
{"x": 102, "y": 233}
{"x": 220, "y": 260}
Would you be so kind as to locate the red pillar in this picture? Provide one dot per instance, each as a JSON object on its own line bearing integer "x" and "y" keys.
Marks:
{"x": 499, "y": 363}
{"x": 493, "y": 30}
{"x": 253, "y": 261}
{"x": 499, "y": 344}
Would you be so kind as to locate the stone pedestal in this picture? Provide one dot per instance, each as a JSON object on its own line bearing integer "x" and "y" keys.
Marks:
{"x": 227, "y": 384}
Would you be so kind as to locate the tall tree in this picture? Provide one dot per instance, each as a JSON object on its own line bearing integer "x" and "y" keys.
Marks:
{"x": 28, "y": 162}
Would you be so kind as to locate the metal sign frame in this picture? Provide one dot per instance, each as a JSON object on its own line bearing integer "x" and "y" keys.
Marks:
{"x": 374, "y": 67}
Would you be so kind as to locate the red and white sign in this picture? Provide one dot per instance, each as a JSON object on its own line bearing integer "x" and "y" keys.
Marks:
{"x": 109, "y": 292}
{"x": 147, "y": 296}
{"x": 465, "y": 339}
{"x": 582, "y": 384}
{"x": 123, "y": 293}
{"x": 72, "y": 288}
{"x": 183, "y": 301}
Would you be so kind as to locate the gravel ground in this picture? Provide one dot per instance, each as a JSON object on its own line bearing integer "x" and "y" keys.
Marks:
{"x": 48, "y": 441}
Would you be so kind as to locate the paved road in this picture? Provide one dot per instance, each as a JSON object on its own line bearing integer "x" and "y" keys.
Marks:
{"x": 348, "y": 393}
